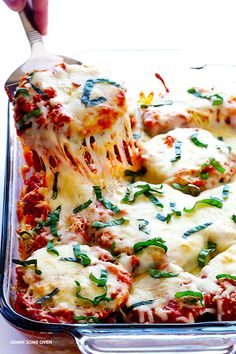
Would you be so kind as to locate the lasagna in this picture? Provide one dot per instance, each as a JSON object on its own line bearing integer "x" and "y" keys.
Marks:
{"x": 124, "y": 215}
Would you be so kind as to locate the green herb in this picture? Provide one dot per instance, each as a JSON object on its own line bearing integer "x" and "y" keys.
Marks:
{"x": 143, "y": 226}
{"x": 137, "y": 136}
{"x": 140, "y": 303}
{"x": 195, "y": 295}
{"x": 153, "y": 199}
{"x": 209, "y": 201}
{"x": 205, "y": 253}
{"x": 39, "y": 226}
{"x": 36, "y": 88}
{"x": 26, "y": 263}
{"x": 47, "y": 297}
{"x": 162, "y": 103}
{"x": 82, "y": 258}
{"x": 22, "y": 91}
{"x": 161, "y": 217}
{"x": 174, "y": 209}
{"x": 177, "y": 151}
{"x": 216, "y": 99}
{"x": 100, "y": 225}
{"x": 21, "y": 234}
{"x": 196, "y": 229}
{"x": 51, "y": 248}
{"x": 233, "y": 217}
{"x": 227, "y": 276}
{"x": 157, "y": 274}
{"x": 82, "y": 206}
{"x": 96, "y": 300}
{"x": 52, "y": 221}
{"x": 107, "y": 204}
{"x": 217, "y": 166}
{"x": 158, "y": 242}
{"x": 225, "y": 192}
{"x": 143, "y": 189}
{"x": 87, "y": 319}
{"x": 190, "y": 189}
{"x": 134, "y": 174}
{"x": 85, "y": 99}
{"x": 102, "y": 281}
{"x": 220, "y": 138}
{"x": 197, "y": 142}
{"x": 54, "y": 188}
{"x": 26, "y": 117}
{"x": 204, "y": 171}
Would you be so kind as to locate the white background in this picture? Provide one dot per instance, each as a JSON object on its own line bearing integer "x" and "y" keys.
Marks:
{"x": 205, "y": 28}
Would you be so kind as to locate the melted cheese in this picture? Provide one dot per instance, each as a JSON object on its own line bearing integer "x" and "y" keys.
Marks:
{"x": 57, "y": 273}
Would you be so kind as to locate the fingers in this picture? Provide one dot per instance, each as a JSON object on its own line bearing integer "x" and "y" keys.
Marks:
{"x": 40, "y": 11}
{"x": 16, "y": 5}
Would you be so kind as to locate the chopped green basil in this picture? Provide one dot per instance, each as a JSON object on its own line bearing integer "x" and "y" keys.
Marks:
{"x": 174, "y": 209}
{"x": 190, "y": 189}
{"x": 102, "y": 281}
{"x": 205, "y": 253}
{"x": 196, "y": 229}
{"x": 158, "y": 242}
{"x": 226, "y": 276}
{"x": 194, "y": 296}
{"x": 96, "y": 300}
{"x": 143, "y": 226}
{"x": 82, "y": 258}
{"x": 100, "y": 225}
{"x": 209, "y": 201}
{"x": 233, "y": 217}
{"x": 153, "y": 199}
{"x": 82, "y": 206}
{"x": 54, "y": 188}
{"x": 204, "y": 171}
{"x": 157, "y": 274}
{"x": 216, "y": 99}
{"x": 107, "y": 204}
{"x": 26, "y": 117}
{"x": 137, "y": 136}
{"x": 27, "y": 263}
{"x": 162, "y": 103}
{"x": 52, "y": 221}
{"x": 134, "y": 174}
{"x": 47, "y": 297}
{"x": 51, "y": 248}
{"x": 22, "y": 91}
{"x": 86, "y": 319}
{"x": 145, "y": 189}
{"x": 216, "y": 165}
{"x": 36, "y": 88}
{"x": 162, "y": 217}
{"x": 177, "y": 151}
{"x": 85, "y": 99}
{"x": 197, "y": 142}
{"x": 225, "y": 192}
{"x": 140, "y": 303}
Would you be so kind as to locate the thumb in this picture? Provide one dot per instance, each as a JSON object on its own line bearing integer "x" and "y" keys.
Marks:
{"x": 16, "y": 5}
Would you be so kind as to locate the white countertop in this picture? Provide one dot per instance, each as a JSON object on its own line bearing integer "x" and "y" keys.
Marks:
{"x": 204, "y": 28}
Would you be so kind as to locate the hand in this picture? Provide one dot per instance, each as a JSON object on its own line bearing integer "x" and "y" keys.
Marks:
{"x": 39, "y": 8}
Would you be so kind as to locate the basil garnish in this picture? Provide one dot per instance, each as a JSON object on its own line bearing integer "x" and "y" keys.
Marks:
{"x": 52, "y": 221}
{"x": 145, "y": 189}
{"x": 204, "y": 171}
{"x": 163, "y": 218}
{"x": 209, "y": 201}
{"x": 96, "y": 300}
{"x": 225, "y": 192}
{"x": 226, "y": 276}
{"x": 100, "y": 225}
{"x": 194, "y": 295}
{"x": 216, "y": 165}
{"x": 233, "y": 217}
{"x": 26, "y": 117}
{"x": 204, "y": 254}
{"x": 26, "y": 263}
{"x": 190, "y": 189}
{"x": 102, "y": 281}
{"x": 22, "y": 91}
{"x": 196, "y": 229}
{"x": 158, "y": 242}
{"x": 85, "y": 99}
{"x": 162, "y": 103}
{"x": 82, "y": 206}
{"x": 107, "y": 204}
{"x": 81, "y": 258}
{"x": 54, "y": 188}
{"x": 140, "y": 303}
{"x": 177, "y": 151}
{"x": 197, "y": 142}
{"x": 157, "y": 274}
{"x": 36, "y": 88}
{"x": 51, "y": 248}
{"x": 87, "y": 319}
{"x": 216, "y": 99}
{"x": 47, "y": 297}
{"x": 133, "y": 174}
{"x": 143, "y": 226}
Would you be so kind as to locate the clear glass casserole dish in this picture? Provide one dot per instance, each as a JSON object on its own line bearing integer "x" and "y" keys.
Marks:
{"x": 217, "y": 337}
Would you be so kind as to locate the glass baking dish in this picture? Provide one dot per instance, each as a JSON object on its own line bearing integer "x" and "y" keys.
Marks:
{"x": 207, "y": 337}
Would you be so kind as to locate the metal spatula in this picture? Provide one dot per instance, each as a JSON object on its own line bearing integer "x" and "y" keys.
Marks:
{"x": 40, "y": 57}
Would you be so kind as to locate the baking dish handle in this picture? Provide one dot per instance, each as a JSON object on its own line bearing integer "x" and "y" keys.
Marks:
{"x": 154, "y": 343}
